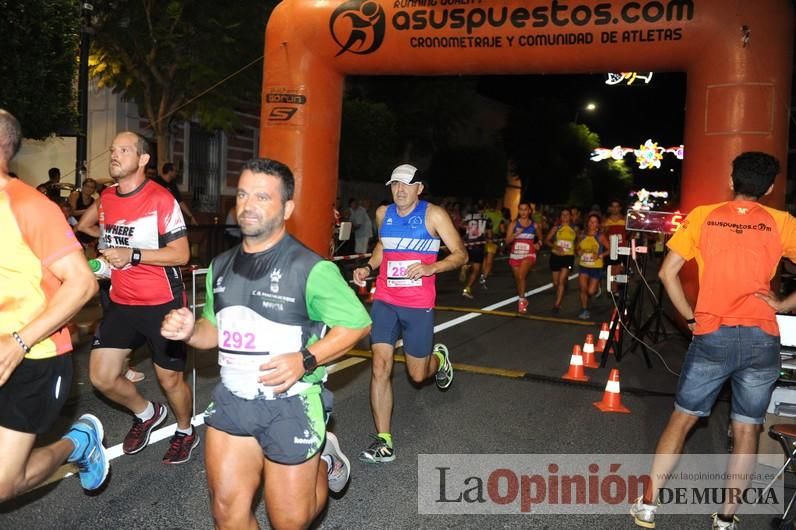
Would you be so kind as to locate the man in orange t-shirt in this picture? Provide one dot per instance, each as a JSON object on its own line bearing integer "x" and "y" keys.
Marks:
{"x": 737, "y": 246}
{"x": 44, "y": 281}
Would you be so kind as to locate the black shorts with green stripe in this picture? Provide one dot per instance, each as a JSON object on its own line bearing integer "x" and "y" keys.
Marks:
{"x": 290, "y": 430}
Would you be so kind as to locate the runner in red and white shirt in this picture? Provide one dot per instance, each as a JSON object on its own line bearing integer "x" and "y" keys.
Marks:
{"x": 144, "y": 239}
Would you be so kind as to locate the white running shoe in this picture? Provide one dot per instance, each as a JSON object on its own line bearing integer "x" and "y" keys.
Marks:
{"x": 643, "y": 514}
{"x": 340, "y": 470}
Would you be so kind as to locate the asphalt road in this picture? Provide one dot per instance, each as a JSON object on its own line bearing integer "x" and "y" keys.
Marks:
{"x": 524, "y": 408}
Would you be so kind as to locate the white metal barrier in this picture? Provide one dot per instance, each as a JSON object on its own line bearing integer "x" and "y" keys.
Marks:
{"x": 192, "y": 351}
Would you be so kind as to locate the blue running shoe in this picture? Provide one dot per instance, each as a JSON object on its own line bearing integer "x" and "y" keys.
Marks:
{"x": 89, "y": 454}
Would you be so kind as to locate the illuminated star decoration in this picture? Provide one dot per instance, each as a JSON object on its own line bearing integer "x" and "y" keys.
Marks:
{"x": 630, "y": 77}
{"x": 648, "y": 155}
{"x": 645, "y": 199}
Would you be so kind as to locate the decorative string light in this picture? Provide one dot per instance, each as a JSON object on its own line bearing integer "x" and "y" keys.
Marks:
{"x": 645, "y": 200}
{"x": 630, "y": 77}
{"x": 648, "y": 155}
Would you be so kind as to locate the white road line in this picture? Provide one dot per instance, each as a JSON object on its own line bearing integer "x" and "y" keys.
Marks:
{"x": 507, "y": 301}
{"x": 168, "y": 431}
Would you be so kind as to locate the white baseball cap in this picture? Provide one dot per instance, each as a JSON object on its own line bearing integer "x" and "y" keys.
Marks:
{"x": 404, "y": 173}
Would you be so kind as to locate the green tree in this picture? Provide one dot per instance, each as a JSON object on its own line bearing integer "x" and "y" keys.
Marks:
{"x": 551, "y": 156}
{"x": 600, "y": 183}
{"x": 429, "y": 111}
{"x": 547, "y": 151}
{"x": 39, "y": 65}
{"x": 468, "y": 171}
{"x": 162, "y": 54}
{"x": 367, "y": 140}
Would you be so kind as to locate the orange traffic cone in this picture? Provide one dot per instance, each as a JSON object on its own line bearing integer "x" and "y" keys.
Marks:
{"x": 602, "y": 338}
{"x": 612, "y": 401}
{"x": 588, "y": 353}
{"x": 575, "y": 372}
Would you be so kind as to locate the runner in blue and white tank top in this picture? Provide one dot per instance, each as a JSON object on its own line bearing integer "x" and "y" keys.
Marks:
{"x": 406, "y": 241}
{"x": 410, "y": 231}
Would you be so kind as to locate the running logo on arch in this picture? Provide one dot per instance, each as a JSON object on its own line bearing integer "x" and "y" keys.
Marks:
{"x": 284, "y": 105}
{"x": 357, "y": 26}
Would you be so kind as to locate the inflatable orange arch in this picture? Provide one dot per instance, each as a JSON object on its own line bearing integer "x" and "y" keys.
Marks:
{"x": 737, "y": 56}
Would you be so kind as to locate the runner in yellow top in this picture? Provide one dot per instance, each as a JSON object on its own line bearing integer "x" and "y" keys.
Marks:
{"x": 561, "y": 238}
{"x": 44, "y": 281}
{"x": 592, "y": 247}
{"x": 490, "y": 249}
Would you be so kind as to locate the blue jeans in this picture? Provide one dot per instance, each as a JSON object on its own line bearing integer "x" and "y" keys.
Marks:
{"x": 747, "y": 356}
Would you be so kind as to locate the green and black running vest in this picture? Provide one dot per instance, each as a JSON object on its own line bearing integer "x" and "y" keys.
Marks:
{"x": 259, "y": 302}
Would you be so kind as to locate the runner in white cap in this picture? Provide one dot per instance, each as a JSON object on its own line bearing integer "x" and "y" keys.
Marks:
{"x": 410, "y": 231}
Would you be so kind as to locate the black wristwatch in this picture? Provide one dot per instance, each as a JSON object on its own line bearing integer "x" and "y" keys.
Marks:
{"x": 310, "y": 362}
{"x": 135, "y": 257}
{"x": 367, "y": 265}
{"x": 690, "y": 321}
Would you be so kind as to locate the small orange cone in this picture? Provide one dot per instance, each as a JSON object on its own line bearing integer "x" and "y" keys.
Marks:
{"x": 588, "y": 353}
{"x": 602, "y": 338}
{"x": 575, "y": 372}
{"x": 612, "y": 401}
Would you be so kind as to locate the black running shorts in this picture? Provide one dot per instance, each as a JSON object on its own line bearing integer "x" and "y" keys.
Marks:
{"x": 475, "y": 254}
{"x": 561, "y": 262}
{"x": 290, "y": 430}
{"x": 131, "y": 326}
{"x": 33, "y": 396}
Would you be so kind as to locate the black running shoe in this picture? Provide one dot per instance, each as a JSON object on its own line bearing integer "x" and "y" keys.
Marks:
{"x": 377, "y": 452}
{"x": 444, "y": 375}
{"x": 138, "y": 436}
{"x": 180, "y": 447}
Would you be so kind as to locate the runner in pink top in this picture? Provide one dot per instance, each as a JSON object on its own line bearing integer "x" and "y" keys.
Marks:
{"x": 406, "y": 255}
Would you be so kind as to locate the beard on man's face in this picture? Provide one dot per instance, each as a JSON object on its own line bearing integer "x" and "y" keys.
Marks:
{"x": 262, "y": 229}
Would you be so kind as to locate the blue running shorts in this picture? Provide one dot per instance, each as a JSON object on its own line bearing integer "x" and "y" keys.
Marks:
{"x": 414, "y": 325}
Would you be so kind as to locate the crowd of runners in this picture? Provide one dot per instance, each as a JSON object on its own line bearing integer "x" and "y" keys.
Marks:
{"x": 278, "y": 313}
{"x": 574, "y": 242}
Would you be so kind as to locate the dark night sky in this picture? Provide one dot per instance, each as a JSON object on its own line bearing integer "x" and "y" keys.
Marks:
{"x": 626, "y": 115}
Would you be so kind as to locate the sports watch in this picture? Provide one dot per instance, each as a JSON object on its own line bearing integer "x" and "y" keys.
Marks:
{"x": 310, "y": 362}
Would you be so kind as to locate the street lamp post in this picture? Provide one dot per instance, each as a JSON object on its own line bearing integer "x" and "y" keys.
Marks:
{"x": 82, "y": 93}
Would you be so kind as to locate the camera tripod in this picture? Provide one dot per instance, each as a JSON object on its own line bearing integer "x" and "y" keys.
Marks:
{"x": 630, "y": 311}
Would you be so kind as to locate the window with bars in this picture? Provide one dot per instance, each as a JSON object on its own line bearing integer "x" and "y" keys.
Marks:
{"x": 205, "y": 163}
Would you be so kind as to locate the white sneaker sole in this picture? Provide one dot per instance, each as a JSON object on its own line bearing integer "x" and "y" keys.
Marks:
{"x": 338, "y": 453}
{"x": 381, "y": 460}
